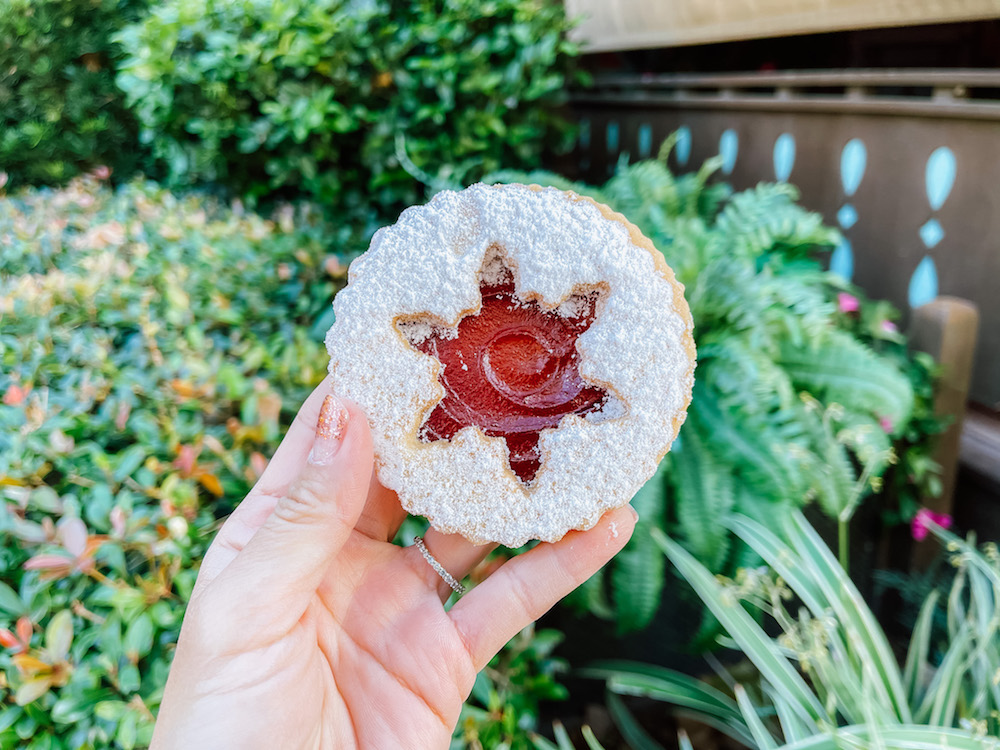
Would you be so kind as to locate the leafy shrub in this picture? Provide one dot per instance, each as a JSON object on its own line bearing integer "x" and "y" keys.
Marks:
{"x": 60, "y": 112}
{"x": 502, "y": 710}
{"x": 352, "y": 103}
{"x": 152, "y": 351}
{"x": 801, "y": 387}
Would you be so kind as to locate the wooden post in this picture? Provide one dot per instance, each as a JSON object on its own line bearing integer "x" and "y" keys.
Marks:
{"x": 946, "y": 329}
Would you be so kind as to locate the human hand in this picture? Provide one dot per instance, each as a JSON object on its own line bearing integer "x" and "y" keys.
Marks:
{"x": 308, "y": 628}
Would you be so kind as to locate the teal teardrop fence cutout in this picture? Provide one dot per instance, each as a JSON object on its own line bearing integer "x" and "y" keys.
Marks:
{"x": 923, "y": 283}
{"x": 584, "y": 133}
{"x": 842, "y": 260}
{"x": 853, "y": 159}
{"x": 931, "y": 233}
{"x": 612, "y": 137}
{"x": 645, "y": 140}
{"x": 847, "y": 216}
{"x": 940, "y": 176}
{"x": 682, "y": 149}
{"x": 729, "y": 147}
{"x": 784, "y": 156}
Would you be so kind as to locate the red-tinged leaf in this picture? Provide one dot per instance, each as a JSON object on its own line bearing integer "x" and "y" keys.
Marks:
{"x": 24, "y": 629}
{"x": 15, "y": 395}
{"x": 187, "y": 459}
{"x": 9, "y": 640}
{"x": 117, "y": 518}
{"x": 122, "y": 415}
{"x": 258, "y": 463}
{"x": 50, "y": 564}
{"x": 94, "y": 542}
{"x": 269, "y": 407}
{"x": 32, "y": 690}
{"x": 211, "y": 483}
{"x": 73, "y": 535}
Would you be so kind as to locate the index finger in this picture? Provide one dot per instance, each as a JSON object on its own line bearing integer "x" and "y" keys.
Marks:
{"x": 290, "y": 457}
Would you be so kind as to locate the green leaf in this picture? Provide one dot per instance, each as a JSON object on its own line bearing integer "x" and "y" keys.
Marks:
{"x": 747, "y": 633}
{"x": 637, "y": 575}
{"x": 917, "y": 653}
{"x": 590, "y": 739}
{"x": 59, "y": 634}
{"x": 10, "y": 602}
{"x": 128, "y": 461}
{"x": 840, "y": 369}
{"x": 634, "y": 734}
{"x": 910, "y": 737}
{"x": 128, "y": 730}
{"x": 32, "y": 690}
{"x": 562, "y": 736}
{"x": 139, "y": 637}
{"x": 855, "y": 616}
{"x": 704, "y": 494}
{"x": 762, "y": 738}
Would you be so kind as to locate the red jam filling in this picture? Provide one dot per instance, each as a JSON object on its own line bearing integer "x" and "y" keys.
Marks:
{"x": 512, "y": 370}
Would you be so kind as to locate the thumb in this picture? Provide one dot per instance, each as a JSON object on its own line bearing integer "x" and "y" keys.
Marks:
{"x": 283, "y": 564}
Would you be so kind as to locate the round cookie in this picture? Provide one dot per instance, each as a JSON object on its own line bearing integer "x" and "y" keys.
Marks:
{"x": 524, "y": 356}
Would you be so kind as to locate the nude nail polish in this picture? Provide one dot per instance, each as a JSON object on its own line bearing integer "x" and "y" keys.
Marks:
{"x": 330, "y": 428}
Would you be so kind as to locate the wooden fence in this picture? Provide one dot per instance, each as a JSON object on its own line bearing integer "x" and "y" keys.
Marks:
{"x": 905, "y": 163}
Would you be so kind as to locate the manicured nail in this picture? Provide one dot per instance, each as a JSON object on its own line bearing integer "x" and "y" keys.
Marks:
{"x": 330, "y": 429}
{"x": 635, "y": 513}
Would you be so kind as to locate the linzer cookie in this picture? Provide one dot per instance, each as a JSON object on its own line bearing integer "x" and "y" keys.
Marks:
{"x": 524, "y": 356}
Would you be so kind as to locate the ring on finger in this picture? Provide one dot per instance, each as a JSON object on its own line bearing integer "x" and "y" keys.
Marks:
{"x": 447, "y": 577}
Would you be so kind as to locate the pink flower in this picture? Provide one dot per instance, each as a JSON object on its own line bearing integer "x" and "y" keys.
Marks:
{"x": 886, "y": 424}
{"x": 919, "y": 526}
{"x": 889, "y": 327}
{"x": 847, "y": 303}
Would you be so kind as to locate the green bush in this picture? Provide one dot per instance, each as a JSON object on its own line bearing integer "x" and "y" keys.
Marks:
{"x": 804, "y": 391}
{"x": 152, "y": 351}
{"x": 60, "y": 112}
{"x": 352, "y": 103}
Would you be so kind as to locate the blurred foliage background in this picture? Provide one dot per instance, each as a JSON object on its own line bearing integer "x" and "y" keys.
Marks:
{"x": 204, "y": 171}
{"x": 60, "y": 110}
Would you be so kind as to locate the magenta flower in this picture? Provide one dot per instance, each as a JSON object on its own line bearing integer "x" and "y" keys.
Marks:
{"x": 886, "y": 424}
{"x": 889, "y": 327}
{"x": 919, "y": 526}
{"x": 847, "y": 303}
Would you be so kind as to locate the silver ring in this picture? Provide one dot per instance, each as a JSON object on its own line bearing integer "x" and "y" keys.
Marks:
{"x": 448, "y": 578}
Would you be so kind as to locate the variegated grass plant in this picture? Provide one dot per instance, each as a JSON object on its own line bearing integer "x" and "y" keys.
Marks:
{"x": 830, "y": 680}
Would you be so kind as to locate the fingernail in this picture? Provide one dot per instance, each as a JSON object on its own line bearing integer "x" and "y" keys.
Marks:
{"x": 635, "y": 513}
{"x": 330, "y": 427}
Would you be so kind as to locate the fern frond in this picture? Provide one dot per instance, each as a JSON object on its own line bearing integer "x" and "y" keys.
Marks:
{"x": 637, "y": 576}
{"x": 841, "y": 369}
{"x": 704, "y": 494}
{"x": 766, "y": 218}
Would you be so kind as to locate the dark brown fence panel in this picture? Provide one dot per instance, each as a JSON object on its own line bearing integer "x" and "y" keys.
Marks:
{"x": 906, "y": 164}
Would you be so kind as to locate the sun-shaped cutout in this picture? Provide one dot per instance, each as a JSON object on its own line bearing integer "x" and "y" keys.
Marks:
{"x": 511, "y": 369}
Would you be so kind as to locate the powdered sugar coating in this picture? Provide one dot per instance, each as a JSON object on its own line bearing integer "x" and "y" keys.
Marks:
{"x": 639, "y": 347}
